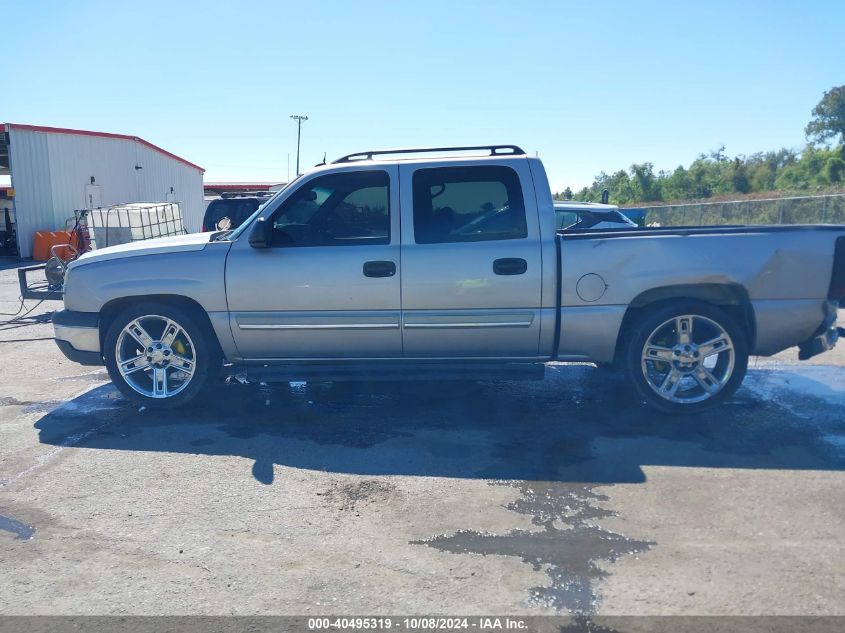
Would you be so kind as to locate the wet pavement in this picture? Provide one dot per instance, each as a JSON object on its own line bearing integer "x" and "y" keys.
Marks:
{"x": 20, "y": 530}
{"x": 569, "y": 554}
{"x": 560, "y": 496}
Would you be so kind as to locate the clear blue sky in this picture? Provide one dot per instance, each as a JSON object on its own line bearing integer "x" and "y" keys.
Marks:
{"x": 591, "y": 86}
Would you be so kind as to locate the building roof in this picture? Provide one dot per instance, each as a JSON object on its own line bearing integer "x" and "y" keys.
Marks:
{"x": 126, "y": 137}
{"x": 240, "y": 186}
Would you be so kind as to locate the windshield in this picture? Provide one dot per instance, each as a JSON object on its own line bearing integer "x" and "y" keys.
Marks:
{"x": 239, "y": 231}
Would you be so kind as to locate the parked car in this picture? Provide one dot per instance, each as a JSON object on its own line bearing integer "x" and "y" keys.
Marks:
{"x": 447, "y": 266}
{"x": 230, "y": 210}
{"x": 578, "y": 216}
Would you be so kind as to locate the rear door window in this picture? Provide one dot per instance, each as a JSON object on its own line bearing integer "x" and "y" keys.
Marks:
{"x": 468, "y": 204}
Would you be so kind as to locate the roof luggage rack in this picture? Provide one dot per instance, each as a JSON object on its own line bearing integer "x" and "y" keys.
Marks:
{"x": 495, "y": 150}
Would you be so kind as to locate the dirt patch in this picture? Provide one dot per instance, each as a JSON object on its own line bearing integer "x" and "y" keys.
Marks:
{"x": 354, "y": 496}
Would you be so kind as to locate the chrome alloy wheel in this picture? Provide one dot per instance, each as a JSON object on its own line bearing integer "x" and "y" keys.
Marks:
{"x": 155, "y": 356}
{"x": 688, "y": 359}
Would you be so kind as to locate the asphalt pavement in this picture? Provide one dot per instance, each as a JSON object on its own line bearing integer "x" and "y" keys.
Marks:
{"x": 560, "y": 496}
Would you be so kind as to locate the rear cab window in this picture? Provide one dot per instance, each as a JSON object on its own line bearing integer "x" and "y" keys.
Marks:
{"x": 564, "y": 219}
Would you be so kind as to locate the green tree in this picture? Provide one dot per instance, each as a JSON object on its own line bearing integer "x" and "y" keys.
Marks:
{"x": 717, "y": 174}
{"x": 835, "y": 169}
{"x": 647, "y": 185}
{"x": 677, "y": 185}
{"x": 828, "y": 120}
{"x": 739, "y": 176}
{"x": 567, "y": 194}
{"x": 700, "y": 179}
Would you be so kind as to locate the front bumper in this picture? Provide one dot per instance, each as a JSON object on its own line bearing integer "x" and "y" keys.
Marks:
{"x": 824, "y": 338}
{"x": 78, "y": 336}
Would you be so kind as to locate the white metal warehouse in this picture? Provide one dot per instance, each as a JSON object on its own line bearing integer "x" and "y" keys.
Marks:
{"x": 55, "y": 171}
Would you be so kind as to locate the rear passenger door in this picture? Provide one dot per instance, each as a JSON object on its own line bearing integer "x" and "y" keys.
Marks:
{"x": 471, "y": 260}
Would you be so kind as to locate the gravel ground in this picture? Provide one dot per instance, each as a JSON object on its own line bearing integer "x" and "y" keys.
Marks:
{"x": 517, "y": 498}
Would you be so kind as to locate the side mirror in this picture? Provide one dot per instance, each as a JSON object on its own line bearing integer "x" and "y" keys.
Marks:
{"x": 261, "y": 235}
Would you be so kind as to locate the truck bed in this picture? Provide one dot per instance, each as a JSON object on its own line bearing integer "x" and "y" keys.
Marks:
{"x": 778, "y": 274}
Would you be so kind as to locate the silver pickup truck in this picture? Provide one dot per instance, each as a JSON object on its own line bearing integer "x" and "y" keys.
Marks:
{"x": 383, "y": 266}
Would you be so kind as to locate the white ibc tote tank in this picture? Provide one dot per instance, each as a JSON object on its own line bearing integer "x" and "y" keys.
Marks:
{"x": 120, "y": 224}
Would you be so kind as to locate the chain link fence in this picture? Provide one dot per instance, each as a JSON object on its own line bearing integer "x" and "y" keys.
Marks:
{"x": 828, "y": 209}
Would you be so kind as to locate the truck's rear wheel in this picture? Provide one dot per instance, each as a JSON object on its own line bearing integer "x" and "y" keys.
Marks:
{"x": 159, "y": 355}
{"x": 686, "y": 357}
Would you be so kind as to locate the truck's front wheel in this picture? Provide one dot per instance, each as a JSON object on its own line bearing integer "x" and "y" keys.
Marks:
{"x": 686, "y": 357}
{"x": 159, "y": 355}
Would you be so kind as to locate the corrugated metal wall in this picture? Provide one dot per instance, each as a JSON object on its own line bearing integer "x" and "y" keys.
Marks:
{"x": 30, "y": 170}
{"x": 50, "y": 171}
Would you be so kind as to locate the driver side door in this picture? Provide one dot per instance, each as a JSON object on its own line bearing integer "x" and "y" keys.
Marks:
{"x": 327, "y": 287}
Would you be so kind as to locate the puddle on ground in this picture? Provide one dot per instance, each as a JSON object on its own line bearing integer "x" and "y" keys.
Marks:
{"x": 568, "y": 547}
{"x": 21, "y": 530}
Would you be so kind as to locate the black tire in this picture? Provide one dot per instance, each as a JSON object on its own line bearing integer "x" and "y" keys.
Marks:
{"x": 205, "y": 348}
{"x": 650, "y": 321}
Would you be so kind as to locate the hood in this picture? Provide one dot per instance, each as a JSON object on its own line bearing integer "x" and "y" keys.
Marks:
{"x": 175, "y": 244}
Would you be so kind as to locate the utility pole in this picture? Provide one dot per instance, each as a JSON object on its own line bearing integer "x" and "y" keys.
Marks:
{"x": 299, "y": 118}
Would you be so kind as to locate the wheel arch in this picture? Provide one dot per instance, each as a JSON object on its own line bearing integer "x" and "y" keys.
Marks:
{"x": 731, "y": 297}
{"x": 114, "y": 307}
